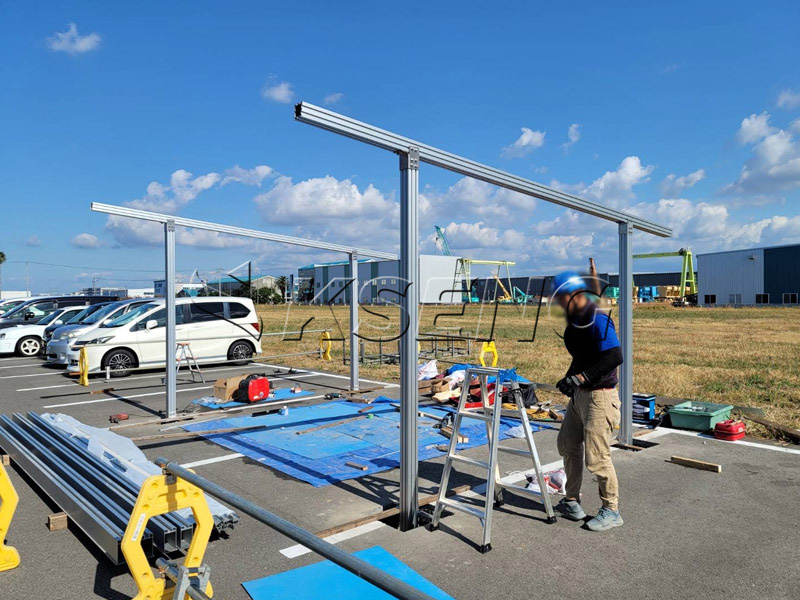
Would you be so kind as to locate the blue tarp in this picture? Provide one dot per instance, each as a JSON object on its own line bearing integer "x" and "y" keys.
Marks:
{"x": 320, "y": 457}
{"x": 279, "y": 394}
{"x": 330, "y": 581}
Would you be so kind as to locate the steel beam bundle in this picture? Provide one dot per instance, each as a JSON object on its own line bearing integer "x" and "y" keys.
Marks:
{"x": 95, "y": 496}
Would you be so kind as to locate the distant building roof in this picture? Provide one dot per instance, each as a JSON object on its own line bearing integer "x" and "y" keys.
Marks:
{"x": 749, "y": 249}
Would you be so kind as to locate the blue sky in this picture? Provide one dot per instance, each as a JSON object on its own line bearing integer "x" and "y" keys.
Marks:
{"x": 687, "y": 113}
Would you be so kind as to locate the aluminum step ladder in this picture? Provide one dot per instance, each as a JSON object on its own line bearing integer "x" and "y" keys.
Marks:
{"x": 494, "y": 485}
{"x": 186, "y": 355}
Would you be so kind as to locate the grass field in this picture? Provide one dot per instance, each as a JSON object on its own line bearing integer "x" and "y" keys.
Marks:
{"x": 740, "y": 356}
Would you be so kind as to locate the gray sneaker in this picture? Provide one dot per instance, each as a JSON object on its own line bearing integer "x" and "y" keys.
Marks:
{"x": 605, "y": 519}
{"x": 571, "y": 509}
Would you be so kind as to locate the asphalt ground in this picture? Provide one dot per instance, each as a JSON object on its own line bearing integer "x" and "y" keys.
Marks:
{"x": 687, "y": 533}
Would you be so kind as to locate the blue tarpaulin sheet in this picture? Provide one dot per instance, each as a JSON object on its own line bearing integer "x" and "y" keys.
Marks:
{"x": 320, "y": 457}
{"x": 330, "y": 581}
{"x": 279, "y": 394}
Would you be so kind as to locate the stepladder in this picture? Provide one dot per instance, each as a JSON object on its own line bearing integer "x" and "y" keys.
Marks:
{"x": 490, "y": 413}
{"x": 186, "y": 356}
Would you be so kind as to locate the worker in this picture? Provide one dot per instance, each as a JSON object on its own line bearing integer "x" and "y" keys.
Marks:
{"x": 592, "y": 413}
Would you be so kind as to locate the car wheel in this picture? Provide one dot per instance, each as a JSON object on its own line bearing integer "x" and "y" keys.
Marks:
{"x": 241, "y": 352}
{"x": 29, "y": 346}
{"x": 120, "y": 362}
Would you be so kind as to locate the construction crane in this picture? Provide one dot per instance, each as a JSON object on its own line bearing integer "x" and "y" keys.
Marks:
{"x": 441, "y": 241}
{"x": 687, "y": 273}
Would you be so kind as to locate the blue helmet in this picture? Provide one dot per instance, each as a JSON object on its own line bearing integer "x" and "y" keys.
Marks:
{"x": 568, "y": 282}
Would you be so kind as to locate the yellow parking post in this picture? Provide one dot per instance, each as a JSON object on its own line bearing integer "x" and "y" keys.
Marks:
{"x": 162, "y": 494}
{"x": 9, "y": 557}
{"x": 325, "y": 345}
{"x": 488, "y": 348}
{"x": 83, "y": 364}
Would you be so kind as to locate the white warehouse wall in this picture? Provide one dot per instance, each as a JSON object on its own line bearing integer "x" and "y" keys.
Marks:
{"x": 726, "y": 273}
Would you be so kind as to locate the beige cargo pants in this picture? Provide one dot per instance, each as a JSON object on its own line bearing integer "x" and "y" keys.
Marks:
{"x": 591, "y": 419}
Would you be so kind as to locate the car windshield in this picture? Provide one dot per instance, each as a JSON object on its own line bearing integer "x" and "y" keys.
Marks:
{"x": 49, "y": 318}
{"x": 17, "y": 309}
{"x": 131, "y": 315}
{"x": 9, "y": 306}
{"x": 98, "y": 316}
{"x": 84, "y": 313}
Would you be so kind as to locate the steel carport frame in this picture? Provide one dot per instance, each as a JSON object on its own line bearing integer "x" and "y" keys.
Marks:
{"x": 171, "y": 221}
{"x": 411, "y": 153}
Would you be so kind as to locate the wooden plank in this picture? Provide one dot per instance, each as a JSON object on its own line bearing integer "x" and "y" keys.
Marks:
{"x": 628, "y": 447}
{"x": 696, "y": 464}
{"x": 57, "y": 521}
{"x": 5, "y": 459}
{"x": 447, "y": 432}
{"x": 793, "y": 434}
{"x": 366, "y": 408}
{"x": 190, "y": 434}
{"x": 355, "y": 465}
{"x": 103, "y": 391}
{"x": 387, "y": 513}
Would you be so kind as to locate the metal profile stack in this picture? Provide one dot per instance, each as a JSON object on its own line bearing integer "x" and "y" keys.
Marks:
{"x": 97, "y": 498}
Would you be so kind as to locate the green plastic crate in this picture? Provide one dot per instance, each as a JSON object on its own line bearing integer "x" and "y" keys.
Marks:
{"x": 700, "y": 416}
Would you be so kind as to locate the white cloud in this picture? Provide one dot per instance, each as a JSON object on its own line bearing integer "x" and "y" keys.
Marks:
{"x": 170, "y": 198}
{"x": 86, "y": 240}
{"x": 788, "y": 99}
{"x": 541, "y": 170}
{"x": 334, "y": 98}
{"x": 33, "y": 241}
{"x": 254, "y": 176}
{"x": 277, "y": 91}
{"x": 672, "y": 186}
{"x": 573, "y": 135}
{"x": 72, "y": 43}
{"x": 527, "y": 141}
{"x": 754, "y": 128}
{"x": 472, "y": 198}
{"x": 480, "y": 235}
{"x": 670, "y": 68}
{"x": 775, "y": 163}
{"x": 614, "y": 187}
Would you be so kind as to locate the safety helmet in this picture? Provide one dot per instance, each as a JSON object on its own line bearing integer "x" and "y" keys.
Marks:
{"x": 568, "y": 282}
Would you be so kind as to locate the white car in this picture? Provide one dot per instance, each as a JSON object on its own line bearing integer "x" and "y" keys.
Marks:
{"x": 26, "y": 340}
{"x": 58, "y": 345}
{"x": 217, "y": 330}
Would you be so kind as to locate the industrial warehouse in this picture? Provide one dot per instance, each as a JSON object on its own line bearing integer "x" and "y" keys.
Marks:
{"x": 364, "y": 327}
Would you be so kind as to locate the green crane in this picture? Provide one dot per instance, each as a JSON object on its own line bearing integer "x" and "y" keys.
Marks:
{"x": 441, "y": 241}
{"x": 687, "y": 271}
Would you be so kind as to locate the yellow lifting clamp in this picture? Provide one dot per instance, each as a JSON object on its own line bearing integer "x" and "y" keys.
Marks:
{"x": 162, "y": 494}
{"x": 325, "y": 345}
{"x": 83, "y": 364}
{"x": 9, "y": 557}
{"x": 488, "y": 348}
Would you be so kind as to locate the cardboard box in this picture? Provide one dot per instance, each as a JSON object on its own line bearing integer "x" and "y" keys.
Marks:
{"x": 225, "y": 388}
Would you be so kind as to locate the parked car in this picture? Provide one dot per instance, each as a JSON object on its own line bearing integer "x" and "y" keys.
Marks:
{"x": 34, "y": 309}
{"x": 80, "y": 317}
{"x": 9, "y": 304}
{"x": 59, "y": 343}
{"x": 217, "y": 330}
{"x": 26, "y": 340}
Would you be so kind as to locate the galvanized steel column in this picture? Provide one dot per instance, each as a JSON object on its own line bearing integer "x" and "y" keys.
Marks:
{"x": 169, "y": 292}
{"x": 354, "y": 321}
{"x": 409, "y": 355}
{"x": 626, "y": 331}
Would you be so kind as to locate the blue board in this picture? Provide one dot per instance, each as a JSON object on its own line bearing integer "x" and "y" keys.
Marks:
{"x": 332, "y": 582}
{"x": 320, "y": 457}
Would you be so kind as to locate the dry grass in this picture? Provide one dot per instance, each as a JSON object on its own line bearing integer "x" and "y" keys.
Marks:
{"x": 744, "y": 356}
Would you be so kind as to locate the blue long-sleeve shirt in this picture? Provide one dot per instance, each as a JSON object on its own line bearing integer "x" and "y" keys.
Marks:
{"x": 591, "y": 339}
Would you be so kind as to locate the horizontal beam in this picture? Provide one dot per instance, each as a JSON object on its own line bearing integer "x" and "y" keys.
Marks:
{"x": 363, "y": 132}
{"x": 145, "y": 215}
{"x": 658, "y": 255}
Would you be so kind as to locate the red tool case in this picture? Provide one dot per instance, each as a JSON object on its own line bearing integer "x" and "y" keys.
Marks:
{"x": 729, "y": 430}
{"x": 253, "y": 388}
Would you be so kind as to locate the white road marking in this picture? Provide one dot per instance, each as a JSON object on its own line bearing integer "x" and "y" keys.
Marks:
{"x": 211, "y": 461}
{"x": 22, "y": 366}
{"x": 99, "y": 400}
{"x": 300, "y": 550}
{"x": 664, "y": 431}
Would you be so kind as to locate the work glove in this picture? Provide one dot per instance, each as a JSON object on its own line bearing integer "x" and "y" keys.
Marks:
{"x": 568, "y": 385}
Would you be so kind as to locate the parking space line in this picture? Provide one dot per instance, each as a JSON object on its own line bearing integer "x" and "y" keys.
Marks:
{"x": 123, "y": 398}
{"x": 334, "y": 375}
{"x": 22, "y": 366}
{"x": 300, "y": 550}
{"x": 211, "y": 461}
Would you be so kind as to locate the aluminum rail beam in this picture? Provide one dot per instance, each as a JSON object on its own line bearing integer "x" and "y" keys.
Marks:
{"x": 363, "y": 132}
{"x": 354, "y": 300}
{"x": 364, "y": 570}
{"x": 626, "y": 332}
{"x": 145, "y": 215}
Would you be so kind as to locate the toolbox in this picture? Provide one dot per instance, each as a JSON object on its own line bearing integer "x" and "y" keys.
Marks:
{"x": 700, "y": 416}
{"x": 644, "y": 407}
{"x": 729, "y": 430}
